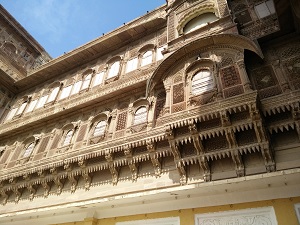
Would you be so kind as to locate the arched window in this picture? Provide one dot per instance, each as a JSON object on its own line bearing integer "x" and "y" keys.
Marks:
{"x": 100, "y": 128}
{"x": 21, "y": 108}
{"x": 114, "y": 69}
{"x": 65, "y": 92}
{"x": 53, "y": 94}
{"x": 68, "y": 138}
{"x": 140, "y": 115}
{"x": 98, "y": 78}
{"x": 31, "y": 106}
{"x": 199, "y": 21}
{"x": 202, "y": 82}
{"x": 146, "y": 58}
{"x": 86, "y": 82}
{"x": 41, "y": 101}
{"x": 131, "y": 64}
{"x": 10, "y": 49}
{"x": 28, "y": 150}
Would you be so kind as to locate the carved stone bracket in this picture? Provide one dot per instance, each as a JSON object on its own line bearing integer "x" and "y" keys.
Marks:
{"x": 239, "y": 165}
{"x": 174, "y": 147}
{"x": 132, "y": 166}
{"x": 231, "y": 138}
{"x": 46, "y": 187}
{"x": 196, "y": 140}
{"x": 4, "y": 195}
{"x": 73, "y": 182}
{"x": 151, "y": 147}
{"x": 113, "y": 170}
{"x": 88, "y": 180}
{"x": 225, "y": 118}
{"x": 205, "y": 167}
{"x": 268, "y": 158}
{"x": 58, "y": 184}
{"x": 182, "y": 173}
{"x": 32, "y": 191}
{"x": 17, "y": 194}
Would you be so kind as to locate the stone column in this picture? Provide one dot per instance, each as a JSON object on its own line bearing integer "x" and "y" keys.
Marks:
{"x": 168, "y": 99}
{"x": 244, "y": 76}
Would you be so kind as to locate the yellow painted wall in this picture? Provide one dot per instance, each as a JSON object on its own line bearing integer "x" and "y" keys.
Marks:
{"x": 284, "y": 210}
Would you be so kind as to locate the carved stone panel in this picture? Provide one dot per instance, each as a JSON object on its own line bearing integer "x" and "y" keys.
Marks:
{"x": 255, "y": 216}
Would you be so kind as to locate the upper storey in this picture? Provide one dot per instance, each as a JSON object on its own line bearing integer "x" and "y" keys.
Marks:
{"x": 19, "y": 52}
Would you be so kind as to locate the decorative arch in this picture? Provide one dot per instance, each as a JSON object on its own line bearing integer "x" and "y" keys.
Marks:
{"x": 193, "y": 13}
{"x": 10, "y": 48}
{"x": 219, "y": 41}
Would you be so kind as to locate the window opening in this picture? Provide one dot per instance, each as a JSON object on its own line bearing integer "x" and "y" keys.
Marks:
{"x": 140, "y": 115}
{"x": 265, "y": 9}
{"x": 86, "y": 82}
{"x": 132, "y": 65}
{"x": 114, "y": 69}
{"x": 68, "y": 138}
{"x": 100, "y": 128}
{"x": 98, "y": 78}
{"x": 65, "y": 92}
{"x": 53, "y": 94}
{"x": 146, "y": 58}
{"x": 202, "y": 82}
{"x": 28, "y": 150}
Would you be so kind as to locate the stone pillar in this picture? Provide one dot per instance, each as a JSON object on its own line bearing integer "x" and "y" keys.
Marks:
{"x": 244, "y": 76}
{"x": 168, "y": 99}
{"x": 280, "y": 76}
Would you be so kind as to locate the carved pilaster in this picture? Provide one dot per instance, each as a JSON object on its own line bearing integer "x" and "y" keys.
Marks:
{"x": 151, "y": 147}
{"x": 243, "y": 74}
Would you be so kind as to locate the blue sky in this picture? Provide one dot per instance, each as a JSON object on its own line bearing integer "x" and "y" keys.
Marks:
{"x": 62, "y": 25}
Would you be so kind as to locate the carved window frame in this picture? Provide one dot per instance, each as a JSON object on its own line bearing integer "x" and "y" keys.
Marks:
{"x": 52, "y": 96}
{"x": 109, "y": 65}
{"x": 104, "y": 116}
{"x": 193, "y": 70}
{"x": 195, "y": 12}
{"x": 66, "y": 130}
{"x": 147, "y": 48}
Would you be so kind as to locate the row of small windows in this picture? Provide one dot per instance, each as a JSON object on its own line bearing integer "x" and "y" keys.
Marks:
{"x": 88, "y": 80}
{"x": 99, "y": 129}
{"x": 201, "y": 82}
